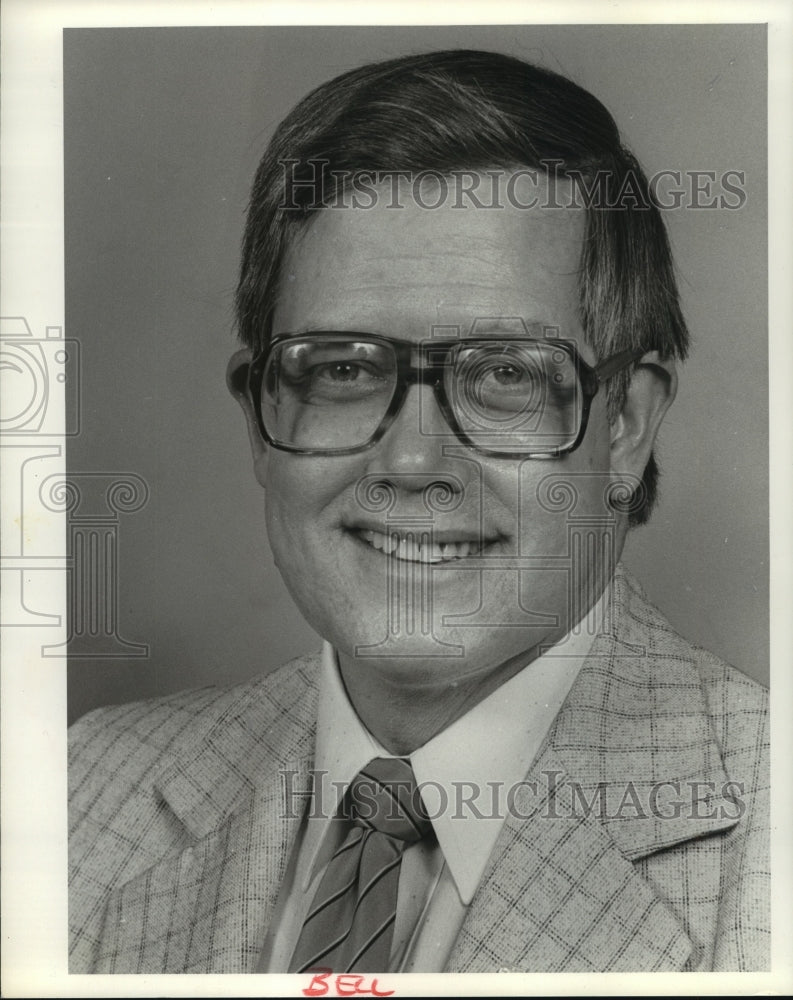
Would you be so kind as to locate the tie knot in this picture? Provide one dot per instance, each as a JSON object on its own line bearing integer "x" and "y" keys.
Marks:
{"x": 384, "y": 796}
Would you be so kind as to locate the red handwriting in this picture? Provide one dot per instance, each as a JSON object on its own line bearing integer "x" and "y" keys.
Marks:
{"x": 344, "y": 984}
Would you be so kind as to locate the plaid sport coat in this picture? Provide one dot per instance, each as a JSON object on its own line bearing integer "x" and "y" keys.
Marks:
{"x": 641, "y": 845}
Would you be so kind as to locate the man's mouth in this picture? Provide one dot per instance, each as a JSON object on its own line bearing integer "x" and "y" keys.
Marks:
{"x": 419, "y": 547}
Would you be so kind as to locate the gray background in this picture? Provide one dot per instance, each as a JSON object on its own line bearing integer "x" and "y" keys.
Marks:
{"x": 163, "y": 131}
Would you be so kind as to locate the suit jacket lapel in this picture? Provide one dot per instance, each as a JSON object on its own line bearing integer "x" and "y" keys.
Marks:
{"x": 559, "y": 895}
{"x": 630, "y": 767}
{"x": 237, "y": 801}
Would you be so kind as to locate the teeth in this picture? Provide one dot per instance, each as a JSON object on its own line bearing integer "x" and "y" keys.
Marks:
{"x": 407, "y": 549}
{"x": 411, "y": 550}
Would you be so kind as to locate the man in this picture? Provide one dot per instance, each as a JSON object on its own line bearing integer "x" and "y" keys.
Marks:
{"x": 461, "y": 325}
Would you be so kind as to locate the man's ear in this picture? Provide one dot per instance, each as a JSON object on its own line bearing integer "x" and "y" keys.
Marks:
{"x": 237, "y": 382}
{"x": 651, "y": 392}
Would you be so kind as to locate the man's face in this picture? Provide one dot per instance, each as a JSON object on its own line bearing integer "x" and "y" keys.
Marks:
{"x": 505, "y": 579}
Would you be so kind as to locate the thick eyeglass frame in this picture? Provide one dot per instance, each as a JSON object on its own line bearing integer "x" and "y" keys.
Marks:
{"x": 434, "y": 356}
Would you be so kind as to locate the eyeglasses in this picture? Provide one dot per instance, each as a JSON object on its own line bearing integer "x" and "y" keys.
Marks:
{"x": 337, "y": 393}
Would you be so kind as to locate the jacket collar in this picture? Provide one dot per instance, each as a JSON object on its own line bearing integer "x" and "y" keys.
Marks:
{"x": 272, "y": 725}
{"x": 635, "y": 734}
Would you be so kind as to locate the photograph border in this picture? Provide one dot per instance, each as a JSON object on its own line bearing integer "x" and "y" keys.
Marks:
{"x": 34, "y": 687}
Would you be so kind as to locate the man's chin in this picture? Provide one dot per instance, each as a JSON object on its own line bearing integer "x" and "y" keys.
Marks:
{"x": 386, "y": 648}
{"x": 455, "y": 652}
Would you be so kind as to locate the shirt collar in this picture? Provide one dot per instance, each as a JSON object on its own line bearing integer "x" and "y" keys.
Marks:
{"x": 465, "y": 771}
{"x": 344, "y": 746}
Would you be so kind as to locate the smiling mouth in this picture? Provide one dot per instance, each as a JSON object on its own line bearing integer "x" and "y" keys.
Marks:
{"x": 410, "y": 548}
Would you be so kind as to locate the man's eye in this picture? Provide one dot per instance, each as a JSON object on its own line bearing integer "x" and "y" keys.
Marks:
{"x": 340, "y": 374}
{"x": 510, "y": 375}
{"x": 343, "y": 381}
{"x": 339, "y": 371}
{"x": 506, "y": 375}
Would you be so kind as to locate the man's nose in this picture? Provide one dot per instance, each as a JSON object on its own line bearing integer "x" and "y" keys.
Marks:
{"x": 419, "y": 443}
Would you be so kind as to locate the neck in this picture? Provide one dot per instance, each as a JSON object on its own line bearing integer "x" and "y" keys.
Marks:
{"x": 405, "y": 701}
{"x": 403, "y": 713}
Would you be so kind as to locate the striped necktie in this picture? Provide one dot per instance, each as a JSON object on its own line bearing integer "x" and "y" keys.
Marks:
{"x": 350, "y": 923}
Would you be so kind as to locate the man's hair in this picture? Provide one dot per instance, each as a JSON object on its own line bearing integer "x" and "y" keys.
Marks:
{"x": 469, "y": 110}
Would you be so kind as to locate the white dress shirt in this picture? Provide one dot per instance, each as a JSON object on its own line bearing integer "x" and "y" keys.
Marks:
{"x": 464, "y": 772}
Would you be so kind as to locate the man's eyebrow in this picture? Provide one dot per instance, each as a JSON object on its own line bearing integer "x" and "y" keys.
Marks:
{"x": 512, "y": 326}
